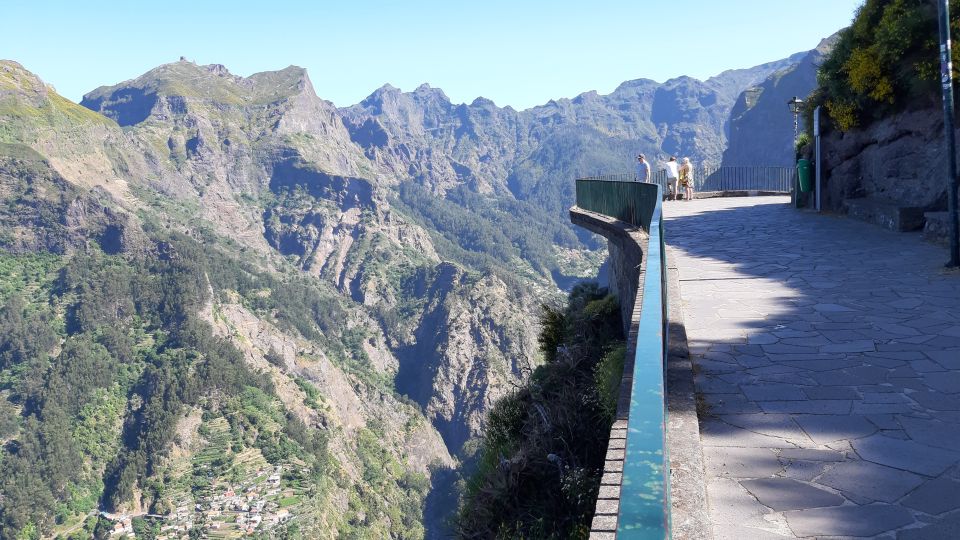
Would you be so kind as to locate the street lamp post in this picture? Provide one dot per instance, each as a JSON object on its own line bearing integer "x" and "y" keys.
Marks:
{"x": 796, "y": 105}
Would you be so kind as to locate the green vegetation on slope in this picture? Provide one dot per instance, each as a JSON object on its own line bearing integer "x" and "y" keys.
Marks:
{"x": 542, "y": 456}
{"x": 488, "y": 232}
{"x": 885, "y": 62}
{"x": 106, "y": 368}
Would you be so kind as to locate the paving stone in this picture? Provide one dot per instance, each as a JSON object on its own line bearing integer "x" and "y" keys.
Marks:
{"x": 946, "y": 528}
{"x": 811, "y": 454}
{"x": 731, "y": 504}
{"x": 730, "y": 404}
{"x": 895, "y": 434}
{"x": 953, "y": 331}
{"x": 832, "y": 308}
{"x": 907, "y": 455}
{"x": 713, "y": 367}
{"x": 871, "y": 481}
{"x": 762, "y": 339}
{"x": 884, "y": 397}
{"x": 753, "y": 362}
{"x": 774, "y": 425}
{"x": 813, "y": 341}
{"x": 884, "y": 421}
{"x": 793, "y": 379}
{"x": 903, "y": 372}
{"x": 937, "y": 401}
{"x": 739, "y": 532}
{"x": 944, "y": 342}
{"x": 788, "y": 494}
{"x": 949, "y": 359}
{"x": 718, "y": 433}
{"x": 780, "y": 348}
{"x": 948, "y": 383}
{"x": 927, "y": 366}
{"x": 885, "y": 362}
{"x": 850, "y": 520}
{"x": 749, "y": 350}
{"x": 935, "y": 496}
{"x": 841, "y": 336}
{"x": 901, "y": 355}
{"x": 850, "y": 346}
{"x": 931, "y": 432}
{"x": 769, "y": 392}
{"x": 823, "y": 428}
{"x": 729, "y": 462}
{"x": 898, "y": 329}
{"x": 819, "y": 406}
{"x": 831, "y": 392}
{"x": 799, "y": 469}
{"x": 829, "y": 363}
{"x": 712, "y": 385}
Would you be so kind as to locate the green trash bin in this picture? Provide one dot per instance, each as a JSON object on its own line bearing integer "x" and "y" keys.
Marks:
{"x": 803, "y": 173}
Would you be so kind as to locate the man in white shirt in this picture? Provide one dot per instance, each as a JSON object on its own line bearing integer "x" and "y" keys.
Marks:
{"x": 673, "y": 176}
{"x": 643, "y": 169}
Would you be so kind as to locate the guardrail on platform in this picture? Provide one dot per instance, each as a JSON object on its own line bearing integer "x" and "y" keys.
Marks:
{"x": 710, "y": 178}
{"x": 644, "y": 495}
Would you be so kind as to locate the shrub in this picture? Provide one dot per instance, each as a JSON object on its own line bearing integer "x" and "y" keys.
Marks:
{"x": 542, "y": 454}
{"x": 885, "y": 62}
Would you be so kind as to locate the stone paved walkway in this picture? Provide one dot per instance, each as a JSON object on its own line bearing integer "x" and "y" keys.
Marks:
{"x": 827, "y": 355}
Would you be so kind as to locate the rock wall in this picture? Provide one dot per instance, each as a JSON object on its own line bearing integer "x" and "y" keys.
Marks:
{"x": 900, "y": 160}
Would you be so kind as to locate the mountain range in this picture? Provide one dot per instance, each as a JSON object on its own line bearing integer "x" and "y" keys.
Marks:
{"x": 268, "y": 286}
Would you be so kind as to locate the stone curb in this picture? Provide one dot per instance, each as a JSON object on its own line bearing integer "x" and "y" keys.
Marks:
{"x": 689, "y": 511}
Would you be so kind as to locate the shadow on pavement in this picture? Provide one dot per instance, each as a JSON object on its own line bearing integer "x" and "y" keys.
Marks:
{"x": 827, "y": 363}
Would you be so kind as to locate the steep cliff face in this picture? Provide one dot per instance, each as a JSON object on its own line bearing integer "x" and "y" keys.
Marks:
{"x": 897, "y": 160}
{"x": 761, "y": 129}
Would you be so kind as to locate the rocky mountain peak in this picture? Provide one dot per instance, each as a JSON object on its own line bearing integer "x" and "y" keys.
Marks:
{"x": 14, "y": 78}
{"x": 173, "y": 86}
{"x": 483, "y": 103}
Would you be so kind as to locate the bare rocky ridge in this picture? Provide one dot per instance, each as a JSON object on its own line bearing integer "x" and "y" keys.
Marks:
{"x": 761, "y": 129}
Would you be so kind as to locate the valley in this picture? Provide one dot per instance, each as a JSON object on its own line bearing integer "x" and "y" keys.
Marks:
{"x": 213, "y": 284}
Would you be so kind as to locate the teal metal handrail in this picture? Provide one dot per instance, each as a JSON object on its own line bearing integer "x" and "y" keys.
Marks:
{"x": 645, "y": 486}
{"x": 644, "y": 511}
{"x": 630, "y": 202}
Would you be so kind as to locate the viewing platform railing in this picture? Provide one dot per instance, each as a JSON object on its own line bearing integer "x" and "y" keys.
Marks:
{"x": 771, "y": 179}
{"x": 644, "y": 496}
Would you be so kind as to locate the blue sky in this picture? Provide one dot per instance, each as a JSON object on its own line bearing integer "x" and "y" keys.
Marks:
{"x": 518, "y": 53}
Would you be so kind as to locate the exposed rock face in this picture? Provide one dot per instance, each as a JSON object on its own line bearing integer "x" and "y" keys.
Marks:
{"x": 900, "y": 160}
{"x": 522, "y": 154}
{"x": 761, "y": 127}
{"x": 466, "y": 351}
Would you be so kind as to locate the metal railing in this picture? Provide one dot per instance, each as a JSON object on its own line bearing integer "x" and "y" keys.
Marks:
{"x": 623, "y": 199}
{"x": 644, "y": 511}
{"x": 714, "y": 178}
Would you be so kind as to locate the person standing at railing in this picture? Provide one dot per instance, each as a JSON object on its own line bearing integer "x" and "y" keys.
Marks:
{"x": 673, "y": 174}
{"x": 686, "y": 179}
{"x": 643, "y": 169}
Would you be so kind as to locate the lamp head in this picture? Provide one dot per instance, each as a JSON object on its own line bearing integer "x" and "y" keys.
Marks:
{"x": 795, "y": 105}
